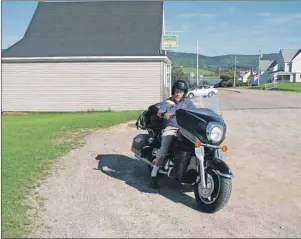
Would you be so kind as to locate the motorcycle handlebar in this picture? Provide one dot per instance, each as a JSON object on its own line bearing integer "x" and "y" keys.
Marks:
{"x": 170, "y": 117}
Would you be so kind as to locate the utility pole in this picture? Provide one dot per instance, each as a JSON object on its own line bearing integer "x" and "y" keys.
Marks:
{"x": 234, "y": 71}
{"x": 219, "y": 67}
{"x": 197, "y": 62}
{"x": 258, "y": 72}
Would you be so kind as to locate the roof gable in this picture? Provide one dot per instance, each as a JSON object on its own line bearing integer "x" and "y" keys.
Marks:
{"x": 100, "y": 28}
{"x": 298, "y": 53}
{"x": 289, "y": 54}
{"x": 274, "y": 63}
{"x": 265, "y": 64}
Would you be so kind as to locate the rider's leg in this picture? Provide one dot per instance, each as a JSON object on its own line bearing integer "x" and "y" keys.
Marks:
{"x": 167, "y": 139}
{"x": 162, "y": 152}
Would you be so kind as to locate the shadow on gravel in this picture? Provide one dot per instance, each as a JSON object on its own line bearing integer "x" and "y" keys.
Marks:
{"x": 135, "y": 174}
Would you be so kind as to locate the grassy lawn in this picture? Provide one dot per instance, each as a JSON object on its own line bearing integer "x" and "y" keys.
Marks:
{"x": 203, "y": 72}
{"x": 296, "y": 87}
{"x": 29, "y": 146}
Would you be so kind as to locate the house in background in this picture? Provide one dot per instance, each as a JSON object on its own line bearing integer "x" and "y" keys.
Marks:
{"x": 245, "y": 75}
{"x": 287, "y": 68}
{"x": 79, "y": 56}
{"x": 266, "y": 70}
{"x": 289, "y": 65}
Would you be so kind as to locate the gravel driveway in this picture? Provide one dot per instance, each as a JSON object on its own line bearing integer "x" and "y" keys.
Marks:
{"x": 100, "y": 190}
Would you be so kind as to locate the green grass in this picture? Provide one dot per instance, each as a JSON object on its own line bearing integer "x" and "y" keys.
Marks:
{"x": 30, "y": 145}
{"x": 296, "y": 87}
{"x": 203, "y": 72}
{"x": 290, "y": 86}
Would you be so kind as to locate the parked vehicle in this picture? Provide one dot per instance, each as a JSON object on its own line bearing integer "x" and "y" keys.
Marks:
{"x": 196, "y": 156}
{"x": 202, "y": 91}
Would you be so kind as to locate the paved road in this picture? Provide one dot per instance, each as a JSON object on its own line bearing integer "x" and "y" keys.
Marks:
{"x": 99, "y": 190}
{"x": 258, "y": 99}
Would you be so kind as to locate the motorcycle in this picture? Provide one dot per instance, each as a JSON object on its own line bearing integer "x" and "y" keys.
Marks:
{"x": 196, "y": 155}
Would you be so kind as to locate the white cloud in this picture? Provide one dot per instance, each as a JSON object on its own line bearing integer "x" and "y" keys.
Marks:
{"x": 264, "y": 14}
{"x": 287, "y": 18}
{"x": 280, "y": 19}
{"x": 173, "y": 31}
{"x": 269, "y": 31}
{"x": 195, "y": 14}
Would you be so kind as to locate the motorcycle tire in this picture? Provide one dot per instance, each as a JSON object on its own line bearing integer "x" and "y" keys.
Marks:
{"x": 222, "y": 192}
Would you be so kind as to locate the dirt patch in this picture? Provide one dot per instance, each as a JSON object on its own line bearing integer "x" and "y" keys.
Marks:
{"x": 15, "y": 113}
{"x": 132, "y": 125}
{"x": 100, "y": 190}
{"x": 231, "y": 90}
{"x": 75, "y": 135}
{"x": 72, "y": 136}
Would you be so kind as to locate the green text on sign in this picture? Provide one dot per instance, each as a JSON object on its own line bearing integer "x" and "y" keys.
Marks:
{"x": 170, "y": 42}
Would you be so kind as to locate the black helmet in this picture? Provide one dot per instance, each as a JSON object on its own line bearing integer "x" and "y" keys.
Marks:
{"x": 181, "y": 85}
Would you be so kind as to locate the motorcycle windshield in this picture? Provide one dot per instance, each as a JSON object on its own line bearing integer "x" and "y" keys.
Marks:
{"x": 209, "y": 102}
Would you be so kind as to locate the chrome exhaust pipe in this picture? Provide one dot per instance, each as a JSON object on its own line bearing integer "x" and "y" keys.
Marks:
{"x": 149, "y": 163}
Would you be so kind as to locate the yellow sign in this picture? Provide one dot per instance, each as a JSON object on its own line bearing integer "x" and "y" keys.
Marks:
{"x": 169, "y": 42}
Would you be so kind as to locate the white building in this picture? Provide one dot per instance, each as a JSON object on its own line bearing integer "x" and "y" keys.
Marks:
{"x": 289, "y": 65}
{"x": 75, "y": 56}
{"x": 287, "y": 68}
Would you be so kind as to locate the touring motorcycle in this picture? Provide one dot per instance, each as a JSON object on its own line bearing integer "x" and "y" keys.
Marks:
{"x": 196, "y": 155}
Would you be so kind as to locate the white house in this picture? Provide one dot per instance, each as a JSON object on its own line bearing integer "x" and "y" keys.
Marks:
{"x": 296, "y": 67}
{"x": 287, "y": 68}
{"x": 266, "y": 70}
{"x": 289, "y": 65}
{"x": 245, "y": 76}
{"x": 77, "y": 56}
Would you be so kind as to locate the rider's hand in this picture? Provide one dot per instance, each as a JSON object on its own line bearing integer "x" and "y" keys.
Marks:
{"x": 168, "y": 115}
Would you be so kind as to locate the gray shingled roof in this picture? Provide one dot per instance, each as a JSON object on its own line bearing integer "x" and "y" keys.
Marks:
{"x": 265, "y": 64}
{"x": 274, "y": 63}
{"x": 289, "y": 54}
{"x": 100, "y": 28}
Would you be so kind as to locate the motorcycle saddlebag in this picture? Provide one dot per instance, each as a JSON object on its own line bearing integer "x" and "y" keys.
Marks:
{"x": 143, "y": 144}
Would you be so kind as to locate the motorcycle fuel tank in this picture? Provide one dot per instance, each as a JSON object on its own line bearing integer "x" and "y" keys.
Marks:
{"x": 196, "y": 121}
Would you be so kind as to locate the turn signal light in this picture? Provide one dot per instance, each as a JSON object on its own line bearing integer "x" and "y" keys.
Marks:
{"x": 197, "y": 144}
{"x": 224, "y": 148}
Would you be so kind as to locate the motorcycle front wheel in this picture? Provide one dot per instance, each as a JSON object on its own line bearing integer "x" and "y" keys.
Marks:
{"x": 216, "y": 195}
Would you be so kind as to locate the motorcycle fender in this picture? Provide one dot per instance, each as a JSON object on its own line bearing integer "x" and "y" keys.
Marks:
{"x": 220, "y": 167}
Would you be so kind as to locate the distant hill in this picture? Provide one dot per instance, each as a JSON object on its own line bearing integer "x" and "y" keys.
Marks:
{"x": 225, "y": 61}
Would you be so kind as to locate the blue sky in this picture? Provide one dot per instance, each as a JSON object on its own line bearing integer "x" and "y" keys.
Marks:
{"x": 221, "y": 27}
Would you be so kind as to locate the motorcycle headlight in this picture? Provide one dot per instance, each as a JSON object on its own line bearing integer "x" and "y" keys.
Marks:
{"x": 215, "y": 133}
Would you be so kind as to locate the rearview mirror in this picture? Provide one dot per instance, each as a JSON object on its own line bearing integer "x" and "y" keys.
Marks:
{"x": 169, "y": 103}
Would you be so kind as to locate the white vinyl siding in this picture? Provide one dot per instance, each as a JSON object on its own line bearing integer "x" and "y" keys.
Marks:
{"x": 81, "y": 86}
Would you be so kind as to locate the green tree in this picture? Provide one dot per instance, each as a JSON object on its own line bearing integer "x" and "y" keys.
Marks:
{"x": 178, "y": 74}
{"x": 226, "y": 77}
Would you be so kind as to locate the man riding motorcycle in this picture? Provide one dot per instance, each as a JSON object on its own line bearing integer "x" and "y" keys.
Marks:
{"x": 179, "y": 91}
